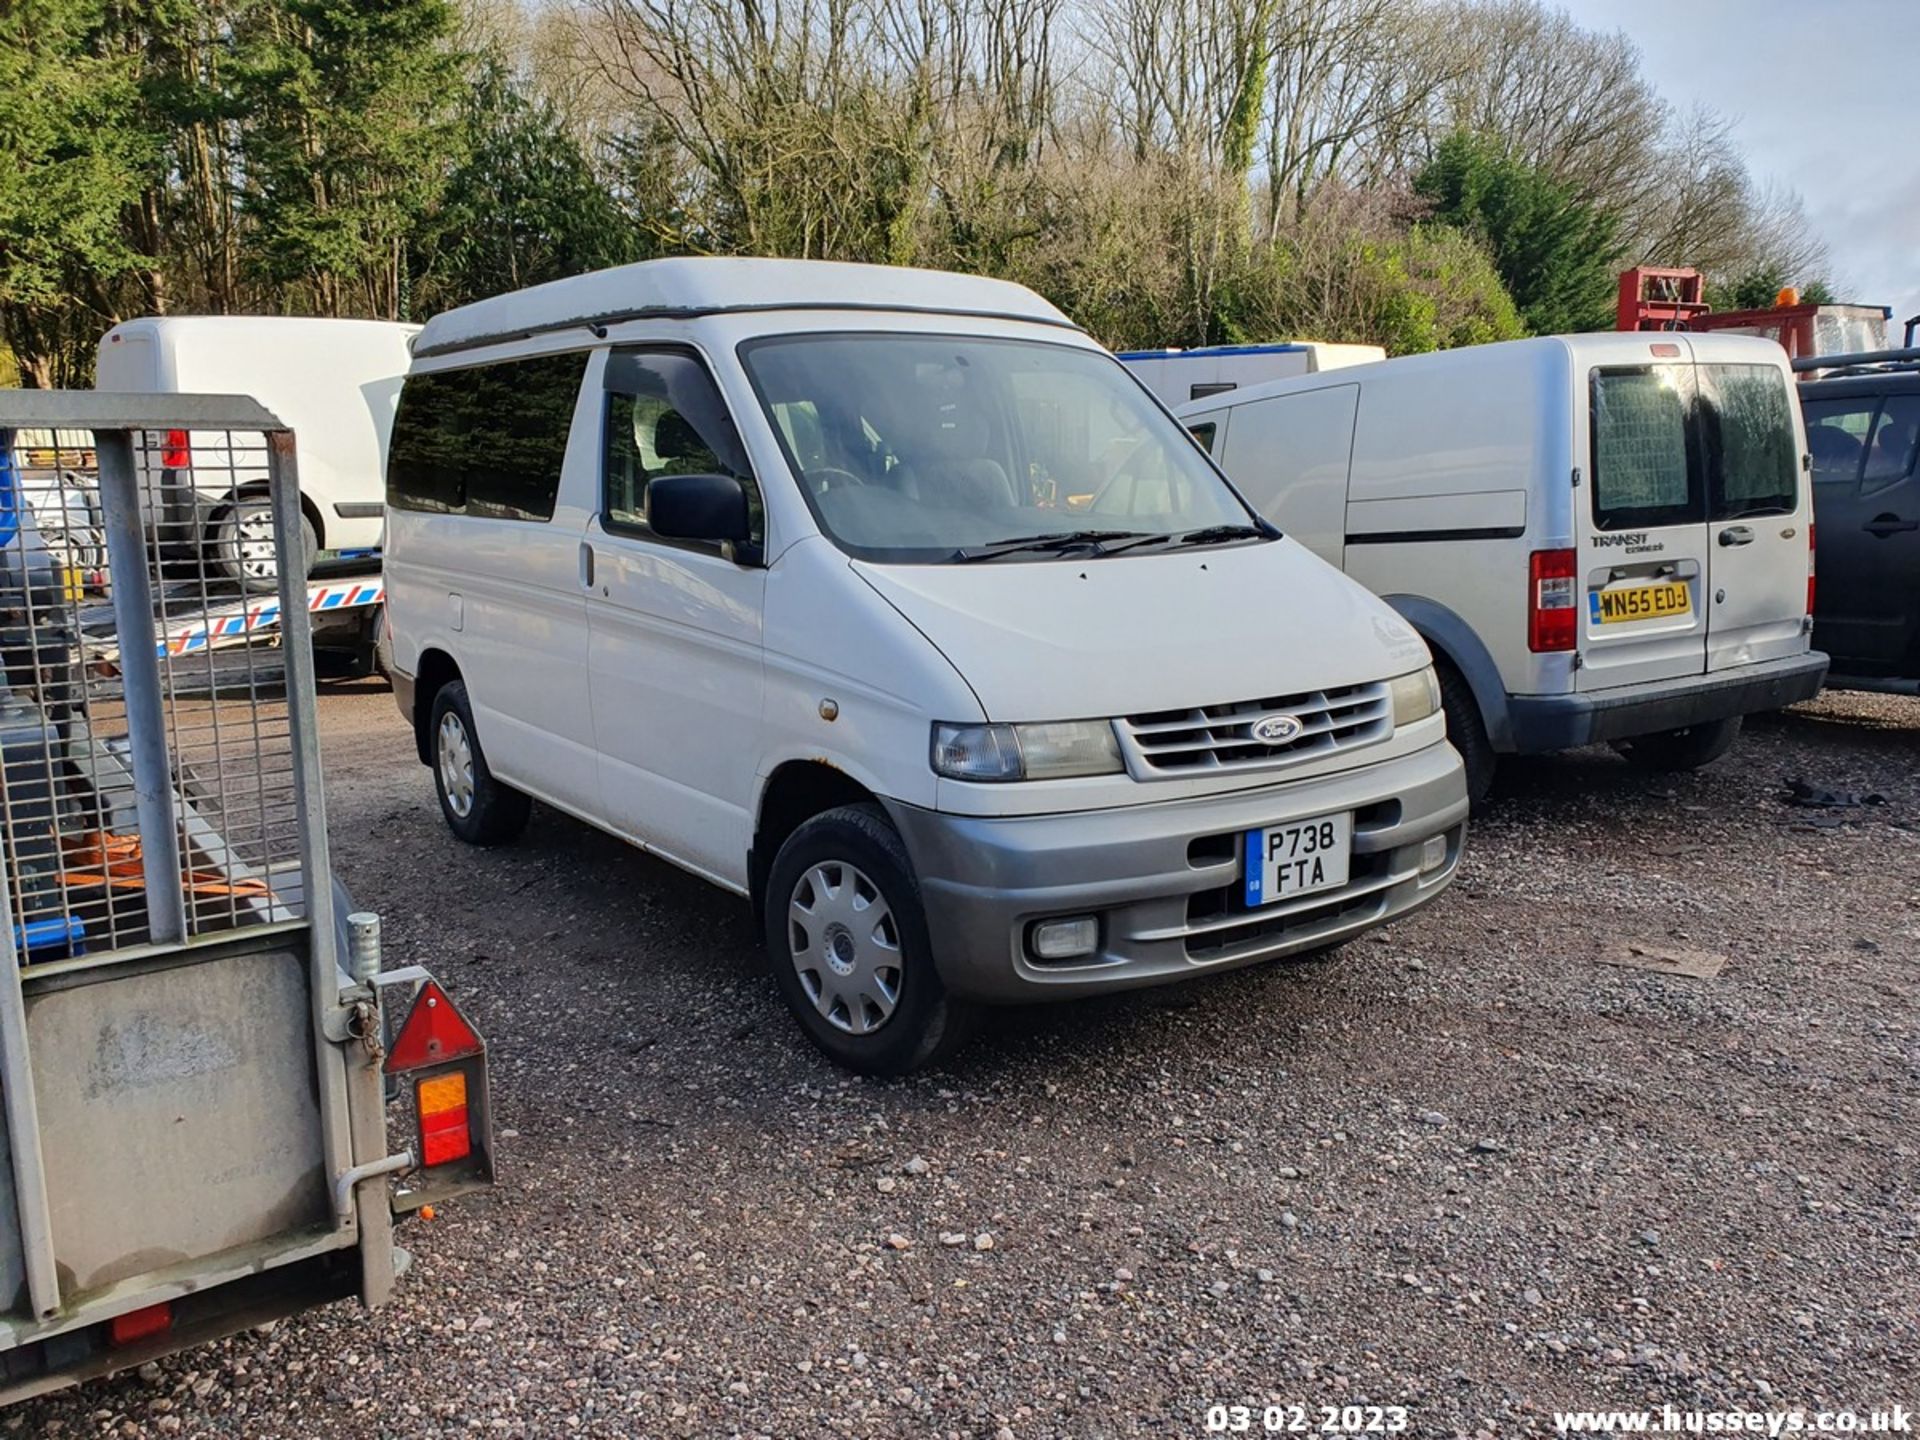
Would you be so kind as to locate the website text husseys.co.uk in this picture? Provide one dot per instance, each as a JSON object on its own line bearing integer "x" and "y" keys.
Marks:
{"x": 1894, "y": 1420}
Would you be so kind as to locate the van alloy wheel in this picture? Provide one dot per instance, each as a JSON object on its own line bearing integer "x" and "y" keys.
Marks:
{"x": 845, "y": 946}
{"x": 456, "y": 765}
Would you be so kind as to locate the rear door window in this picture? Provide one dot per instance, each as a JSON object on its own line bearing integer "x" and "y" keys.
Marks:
{"x": 1837, "y": 434}
{"x": 1753, "y": 462}
{"x": 1646, "y": 470}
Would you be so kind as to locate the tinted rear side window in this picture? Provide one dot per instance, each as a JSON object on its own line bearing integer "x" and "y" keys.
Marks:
{"x": 1896, "y": 436}
{"x": 1645, "y": 467}
{"x": 1753, "y": 457}
{"x": 1838, "y": 432}
{"x": 487, "y": 441}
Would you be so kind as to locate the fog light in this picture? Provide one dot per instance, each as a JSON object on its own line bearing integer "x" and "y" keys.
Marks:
{"x": 1433, "y": 854}
{"x": 1064, "y": 939}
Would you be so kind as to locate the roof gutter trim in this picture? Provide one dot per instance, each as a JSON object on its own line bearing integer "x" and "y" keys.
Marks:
{"x": 599, "y": 323}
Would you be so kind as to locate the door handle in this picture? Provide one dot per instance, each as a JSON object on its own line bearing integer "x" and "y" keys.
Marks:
{"x": 1737, "y": 535}
{"x": 586, "y": 566}
{"x": 1885, "y": 525}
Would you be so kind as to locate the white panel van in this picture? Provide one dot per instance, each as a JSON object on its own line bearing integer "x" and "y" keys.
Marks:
{"x": 1180, "y": 376}
{"x": 334, "y": 381}
{"x": 764, "y": 566}
{"x": 1602, "y": 537}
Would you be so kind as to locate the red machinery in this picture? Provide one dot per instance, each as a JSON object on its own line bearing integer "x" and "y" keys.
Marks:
{"x": 1653, "y": 298}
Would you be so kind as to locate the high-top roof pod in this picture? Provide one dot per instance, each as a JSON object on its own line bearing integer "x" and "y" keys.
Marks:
{"x": 682, "y": 289}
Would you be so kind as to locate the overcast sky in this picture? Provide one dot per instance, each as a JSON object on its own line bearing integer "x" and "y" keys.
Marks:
{"x": 1823, "y": 95}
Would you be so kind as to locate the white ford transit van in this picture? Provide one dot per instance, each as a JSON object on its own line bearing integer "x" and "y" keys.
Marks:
{"x": 334, "y": 381}
{"x": 762, "y": 565}
{"x": 1602, "y": 537}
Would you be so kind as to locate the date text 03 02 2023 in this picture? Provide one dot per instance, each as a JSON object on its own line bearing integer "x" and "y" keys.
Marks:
{"x": 1307, "y": 1420}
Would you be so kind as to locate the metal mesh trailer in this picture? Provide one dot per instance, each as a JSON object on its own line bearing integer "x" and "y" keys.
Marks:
{"x": 193, "y": 1049}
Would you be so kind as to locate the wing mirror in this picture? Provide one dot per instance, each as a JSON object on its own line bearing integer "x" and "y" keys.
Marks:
{"x": 699, "y": 507}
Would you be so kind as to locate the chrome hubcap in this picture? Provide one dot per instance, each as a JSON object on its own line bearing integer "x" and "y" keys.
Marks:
{"x": 456, "y": 765}
{"x": 845, "y": 947}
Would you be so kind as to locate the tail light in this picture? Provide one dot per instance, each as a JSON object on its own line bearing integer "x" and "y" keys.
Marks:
{"x": 175, "y": 454}
{"x": 141, "y": 1324}
{"x": 1811, "y": 552}
{"x": 445, "y": 1134}
{"x": 444, "y": 1059}
{"x": 1553, "y": 617}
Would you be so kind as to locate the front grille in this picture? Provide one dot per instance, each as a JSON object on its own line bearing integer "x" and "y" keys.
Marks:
{"x": 1220, "y": 737}
{"x": 1220, "y": 926}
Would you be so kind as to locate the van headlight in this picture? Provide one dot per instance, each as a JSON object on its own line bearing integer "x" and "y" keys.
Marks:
{"x": 1415, "y": 696}
{"x": 1056, "y": 750}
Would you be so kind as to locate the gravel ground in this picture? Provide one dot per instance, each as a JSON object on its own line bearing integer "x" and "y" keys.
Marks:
{"x": 1465, "y": 1166}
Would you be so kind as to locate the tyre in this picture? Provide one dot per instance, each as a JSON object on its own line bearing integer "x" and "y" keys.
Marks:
{"x": 478, "y": 808}
{"x": 1468, "y": 732}
{"x": 1687, "y": 748}
{"x": 847, "y": 940}
{"x": 239, "y": 548}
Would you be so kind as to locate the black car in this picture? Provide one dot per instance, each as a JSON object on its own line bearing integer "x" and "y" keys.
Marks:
{"x": 1863, "y": 429}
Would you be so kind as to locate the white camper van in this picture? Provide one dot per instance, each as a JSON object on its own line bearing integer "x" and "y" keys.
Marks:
{"x": 334, "y": 382}
{"x": 762, "y": 566}
{"x": 1603, "y": 537}
{"x": 1180, "y": 376}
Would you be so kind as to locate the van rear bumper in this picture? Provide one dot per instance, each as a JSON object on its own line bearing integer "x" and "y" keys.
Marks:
{"x": 1563, "y": 722}
{"x": 1165, "y": 880}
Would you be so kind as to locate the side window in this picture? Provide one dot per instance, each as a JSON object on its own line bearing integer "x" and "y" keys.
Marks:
{"x": 487, "y": 441}
{"x": 1837, "y": 432}
{"x": 1204, "y": 433}
{"x": 1890, "y": 454}
{"x": 665, "y": 416}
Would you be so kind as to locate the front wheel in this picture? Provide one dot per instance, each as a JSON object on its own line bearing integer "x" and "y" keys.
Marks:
{"x": 847, "y": 939}
{"x": 476, "y": 806}
{"x": 1687, "y": 748}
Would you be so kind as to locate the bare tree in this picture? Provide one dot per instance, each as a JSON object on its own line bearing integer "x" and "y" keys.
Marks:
{"x": 1353, "y": 91}
{"x": 1571, "y": 101}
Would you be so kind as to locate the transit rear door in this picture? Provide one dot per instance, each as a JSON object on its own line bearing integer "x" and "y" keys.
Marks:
{"x": 1758, "y": 506}
{"x": 1640, "y": 559}
{"x": 1693, "y": 552}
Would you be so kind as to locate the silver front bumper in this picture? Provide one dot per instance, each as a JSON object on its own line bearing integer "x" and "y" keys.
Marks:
{"x": 1165, "y": 879}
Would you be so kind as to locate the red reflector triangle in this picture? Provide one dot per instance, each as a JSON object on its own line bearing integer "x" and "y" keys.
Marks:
{"x": 434, "y": 1032}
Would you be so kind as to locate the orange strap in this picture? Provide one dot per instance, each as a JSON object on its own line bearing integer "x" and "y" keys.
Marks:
{"x": 103, "y": 858}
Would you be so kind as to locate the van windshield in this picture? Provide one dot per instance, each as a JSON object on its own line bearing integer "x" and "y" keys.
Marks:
{"x": 933, "y": 449}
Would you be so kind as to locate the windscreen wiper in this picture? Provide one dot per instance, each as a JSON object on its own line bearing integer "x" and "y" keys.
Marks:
{"x": 1221, "y": 534}
{"x": 1207, "y": 535}
{"x": 1055, "y": 541}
